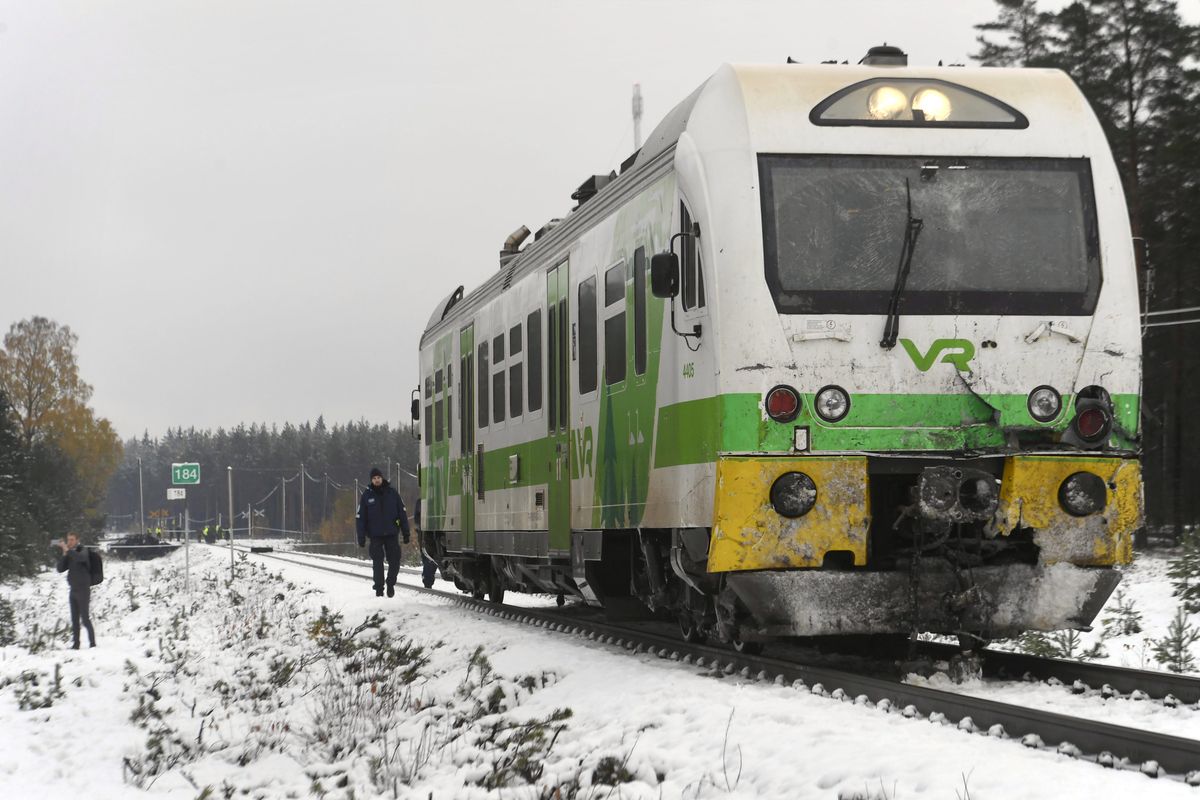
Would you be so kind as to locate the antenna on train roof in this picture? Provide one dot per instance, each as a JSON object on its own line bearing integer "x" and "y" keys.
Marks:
{"x": 885, "y": 55}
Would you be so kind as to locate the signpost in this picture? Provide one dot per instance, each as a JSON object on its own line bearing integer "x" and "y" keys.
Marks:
{"x": 186, "y": 474}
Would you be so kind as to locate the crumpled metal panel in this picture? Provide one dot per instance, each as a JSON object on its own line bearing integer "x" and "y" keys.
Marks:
{"x": 749, "y": 534}
{"x": 1029, "y": 499}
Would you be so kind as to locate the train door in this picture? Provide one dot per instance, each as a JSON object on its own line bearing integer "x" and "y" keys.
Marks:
{"x": 558, "y": 490}
{"x": 466, "y": 438}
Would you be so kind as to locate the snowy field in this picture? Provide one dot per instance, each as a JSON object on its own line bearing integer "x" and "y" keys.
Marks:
{"x": 297, "y": 683}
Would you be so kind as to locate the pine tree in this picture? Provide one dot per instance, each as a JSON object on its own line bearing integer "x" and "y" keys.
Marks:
{"x": 1185, "y": 572}
{"x": 1025, "y": 36}
{"x": 1123, "y": 619}
{"x": 1174, "y": 651}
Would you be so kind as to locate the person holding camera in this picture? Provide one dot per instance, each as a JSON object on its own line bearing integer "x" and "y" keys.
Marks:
{"x": 77, "y": 564}
{"x": 381, "y": 516}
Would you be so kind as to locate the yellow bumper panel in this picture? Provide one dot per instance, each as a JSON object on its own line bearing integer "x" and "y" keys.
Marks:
{"x": 748, "y": 533}
{"x": 1029, "y": 499}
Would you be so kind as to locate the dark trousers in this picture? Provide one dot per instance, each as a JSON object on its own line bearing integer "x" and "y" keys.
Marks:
{"x": 80, "y": 602}
{"x": 428, "y": 570}
{"x": 389, "y": 546}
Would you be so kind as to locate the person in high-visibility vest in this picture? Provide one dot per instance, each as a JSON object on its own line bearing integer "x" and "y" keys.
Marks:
{"x": 206, "y": 534}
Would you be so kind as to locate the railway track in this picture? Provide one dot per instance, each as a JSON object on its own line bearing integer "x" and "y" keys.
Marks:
{"x": 1115, "y": 746}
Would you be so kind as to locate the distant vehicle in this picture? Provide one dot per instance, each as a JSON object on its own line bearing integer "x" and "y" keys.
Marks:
{"x": 842, "y": 350}
{"x": 140, "y": 547}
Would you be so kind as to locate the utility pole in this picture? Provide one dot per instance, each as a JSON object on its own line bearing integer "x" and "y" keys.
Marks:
{"x": 283, "y": 515}
{"x": 250, "y": 526}
{"x": 232, "y": 522}
{"x": 303, "y": 515}
{"x": 141, "y": 500}
{"x": 637, "y": 116}
{"x": 356, "y": 496}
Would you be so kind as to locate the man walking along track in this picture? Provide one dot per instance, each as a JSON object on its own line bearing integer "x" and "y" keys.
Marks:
{"x": 76, "y": 563}
{"x": 381, "y": 517}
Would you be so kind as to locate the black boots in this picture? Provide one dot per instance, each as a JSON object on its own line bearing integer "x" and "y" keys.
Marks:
{"x": 391, "y": 591}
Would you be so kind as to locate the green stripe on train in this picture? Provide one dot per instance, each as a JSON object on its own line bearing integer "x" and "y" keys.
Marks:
{"x": 693, "y": 432}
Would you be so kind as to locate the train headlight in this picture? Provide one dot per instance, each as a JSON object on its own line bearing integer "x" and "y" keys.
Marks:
{"x": 1082, "y": 494}
{"x": 935, "y": 105}
{"x": 1044, "y": 403}
{"x": 887, "y": 102}
{"x": 783, "y": 404}
{"x": 793, "y": 494}
{"x": 832, "y": 403}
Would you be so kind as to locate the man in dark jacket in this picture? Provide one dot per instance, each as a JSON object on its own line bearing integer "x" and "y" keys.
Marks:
{"x": 381, "y": 517}
{"x": 75, "y": 563}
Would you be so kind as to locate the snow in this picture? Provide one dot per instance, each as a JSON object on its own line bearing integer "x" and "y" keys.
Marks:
{"x": 220, "y": 709}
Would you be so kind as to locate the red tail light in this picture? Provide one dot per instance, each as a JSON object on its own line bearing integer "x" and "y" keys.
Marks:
{"x": 783, "y": 404}
{"x": 1091, "y": 423}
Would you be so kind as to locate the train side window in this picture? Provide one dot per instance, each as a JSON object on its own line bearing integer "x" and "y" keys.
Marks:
{"x": 481, "y": 387}
{"x": 552, "y": 362}
{"x": 449, "y": 404}
{"x": 438, "y": 414}
{"x": 516, "y": 376}
{"x": 614, "y": 326}
{"x": 614, "y": 284}
{"x": 429, "y": 410}
{"x": 587, "y": 336}
{"x": 462, "y": 406}
{"x": 515, "y": 386}
{"x": 498, "y": 396}
{"x": 639, "y": 311}
{"x": 688, "y": 276}
{"x": 533, "y": 329}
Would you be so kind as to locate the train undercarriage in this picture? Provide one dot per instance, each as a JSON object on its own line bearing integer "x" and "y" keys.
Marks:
{"x": 936, "y": 561}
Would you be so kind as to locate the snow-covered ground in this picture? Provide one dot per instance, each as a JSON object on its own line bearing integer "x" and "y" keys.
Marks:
{"x": 262, "y": 691}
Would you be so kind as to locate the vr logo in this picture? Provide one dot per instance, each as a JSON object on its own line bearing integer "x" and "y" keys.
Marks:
{"x": 958, "y": 352}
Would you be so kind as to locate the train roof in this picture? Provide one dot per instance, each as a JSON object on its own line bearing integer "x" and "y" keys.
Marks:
{"x": 763, "y": 105}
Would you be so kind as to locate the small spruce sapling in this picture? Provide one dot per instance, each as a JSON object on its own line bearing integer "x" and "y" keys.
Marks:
{"x": 1185, "y": 571}
{"x": 1174, "y": 651}
{"x": 1123, "y": 619}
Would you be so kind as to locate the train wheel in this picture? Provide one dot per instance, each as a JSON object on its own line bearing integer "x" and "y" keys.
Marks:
{"x": 747, "y": 648}
{"x": 690, "y": 630}
{"x": 561, "y": 600}
{"x": 495, "y": 591}
{"x": 478, "y": 591}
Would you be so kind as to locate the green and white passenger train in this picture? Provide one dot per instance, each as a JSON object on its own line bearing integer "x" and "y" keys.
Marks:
{"x": 842, "y": 350}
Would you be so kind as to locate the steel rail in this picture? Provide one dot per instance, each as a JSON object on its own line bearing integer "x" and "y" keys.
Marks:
{"x": 1006, "y": 664}
{"x": 1118, "y": 746}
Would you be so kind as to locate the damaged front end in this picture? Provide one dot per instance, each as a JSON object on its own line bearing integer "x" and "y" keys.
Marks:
{"x": 988, "y": 546}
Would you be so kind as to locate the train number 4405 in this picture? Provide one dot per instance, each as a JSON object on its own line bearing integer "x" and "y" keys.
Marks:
{"x": 689, "y": 369}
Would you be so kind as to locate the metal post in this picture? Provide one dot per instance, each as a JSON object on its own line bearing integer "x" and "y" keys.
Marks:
{"x": 141, "y": 500}
{"x": 303, "y": 516}
{"x": 357, "y": 495}
{"x": 187, "y": 553}
{"x": 249, "y": 526}
{"x": 229, "y": 473}
{"x": 283, "y": 516}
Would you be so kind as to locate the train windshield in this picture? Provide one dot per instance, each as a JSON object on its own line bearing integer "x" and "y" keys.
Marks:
{"x": 999, "y": 235}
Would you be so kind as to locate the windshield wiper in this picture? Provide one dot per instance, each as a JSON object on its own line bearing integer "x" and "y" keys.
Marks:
{"x": 912, "y": 230}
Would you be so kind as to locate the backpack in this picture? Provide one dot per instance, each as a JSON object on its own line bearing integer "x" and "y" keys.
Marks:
{"x": 95, "y": 566}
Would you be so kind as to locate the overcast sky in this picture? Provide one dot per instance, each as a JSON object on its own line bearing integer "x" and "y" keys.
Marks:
{"x": 246, "y": 210}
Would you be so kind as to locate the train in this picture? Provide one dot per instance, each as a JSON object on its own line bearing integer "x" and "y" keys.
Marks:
{"x": 841, "y": 350}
